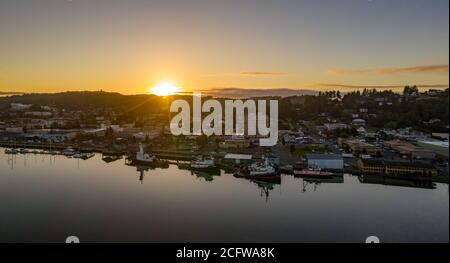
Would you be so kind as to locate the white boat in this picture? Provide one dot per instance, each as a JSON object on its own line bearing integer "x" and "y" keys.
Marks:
{"x": 203, "y": 163}
{"x": 144, "y": 158}
{"x": 11, "y": 151}
{"x": 69, "y": 152}
{"x": 261, "y": 169}
{"x": 23, "y": 150}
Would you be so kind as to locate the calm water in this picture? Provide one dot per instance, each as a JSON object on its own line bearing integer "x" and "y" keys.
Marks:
{"x": 47, "y": 198}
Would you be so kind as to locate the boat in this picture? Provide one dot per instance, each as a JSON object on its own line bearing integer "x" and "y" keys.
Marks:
{"x": 11, "y": 151}
{"x": 312, "y": 172}
{"x": 261, "y": 171}
{"x": 203, "y": 163}
{"x": 83, "y": 156}
{"x": 144, "y": 158}
{"x": 24, "y": 151}
{"x": 111, "y": 158}
{"x": 69, "y": 151}
{"x": 287, "y": 169}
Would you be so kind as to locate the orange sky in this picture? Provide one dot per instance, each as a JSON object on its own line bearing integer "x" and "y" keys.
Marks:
{"x": 127, "y": 47}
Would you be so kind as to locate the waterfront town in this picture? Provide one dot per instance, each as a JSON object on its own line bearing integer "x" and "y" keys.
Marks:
{"x": 339, "y": 139}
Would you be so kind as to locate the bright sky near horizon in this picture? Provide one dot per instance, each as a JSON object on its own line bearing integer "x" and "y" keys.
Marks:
{"x": 129, "y": 46}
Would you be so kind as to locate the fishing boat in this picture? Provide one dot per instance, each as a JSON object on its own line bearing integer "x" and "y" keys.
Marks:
{"x": 11, "y": 151}
{"x": 144, "y": 158}
{"x": 201, "y": 163}
{"x": 262, "y": 171}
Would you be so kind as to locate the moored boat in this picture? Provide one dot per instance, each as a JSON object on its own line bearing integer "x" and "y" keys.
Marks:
{"x": 11, "y": 151}
{"x": 203, "y": 163}
{"x": 262, "y": 171}
{"x": 144, "y": 158}
{"x": 24, "y": 151}
{"x": 312, "y": 172}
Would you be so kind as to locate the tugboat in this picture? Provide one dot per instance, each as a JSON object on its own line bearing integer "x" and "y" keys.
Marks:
{"x": 260, "y": 171}
{"x": 144, "y": 158}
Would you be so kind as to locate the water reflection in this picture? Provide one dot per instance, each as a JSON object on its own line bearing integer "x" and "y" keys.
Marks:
{"x": 314, "y": 183}
{"x": 179, "y": 205}
{"x": 142, "y": 169}
{"x": 207, "y": 175}
{"x": 266, "y": 188}
{"x": 384, "y": 180}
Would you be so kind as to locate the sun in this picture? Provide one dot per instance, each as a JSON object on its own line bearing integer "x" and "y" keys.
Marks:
{"x": 164, "y": 89}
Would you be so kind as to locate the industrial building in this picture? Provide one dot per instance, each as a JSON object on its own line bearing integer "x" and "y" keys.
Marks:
{"x": 358, "y": 147}
{"x": 325, "y": 161}
{"x": 439, "y": 147}
{"x": 387, "y": 167}
{"x": 409, "y": 149}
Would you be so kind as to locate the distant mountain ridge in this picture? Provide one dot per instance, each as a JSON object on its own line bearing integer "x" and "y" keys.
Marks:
{"x": 11, "y": 93}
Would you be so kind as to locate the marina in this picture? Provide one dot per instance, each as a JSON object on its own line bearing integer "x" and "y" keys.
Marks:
{"x": 172, "y": 203}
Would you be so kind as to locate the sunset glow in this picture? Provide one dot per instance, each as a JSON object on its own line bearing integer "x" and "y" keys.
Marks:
{"x": 164, "y": 89}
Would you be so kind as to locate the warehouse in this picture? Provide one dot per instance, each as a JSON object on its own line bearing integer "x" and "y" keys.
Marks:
{"x": 325, "y": 161}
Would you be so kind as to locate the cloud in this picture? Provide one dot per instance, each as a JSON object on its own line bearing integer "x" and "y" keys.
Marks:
{"x": 246, "y": 74}
{"x": 344, "y": 86}
{"x": 260, "y": 73}
{"x": 433, "y": 69}
{"x": 235, "y": 92}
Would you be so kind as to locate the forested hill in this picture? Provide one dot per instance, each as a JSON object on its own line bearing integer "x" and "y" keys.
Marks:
{"x": 383, "y": 109}
{"x": 83, "y": 100}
